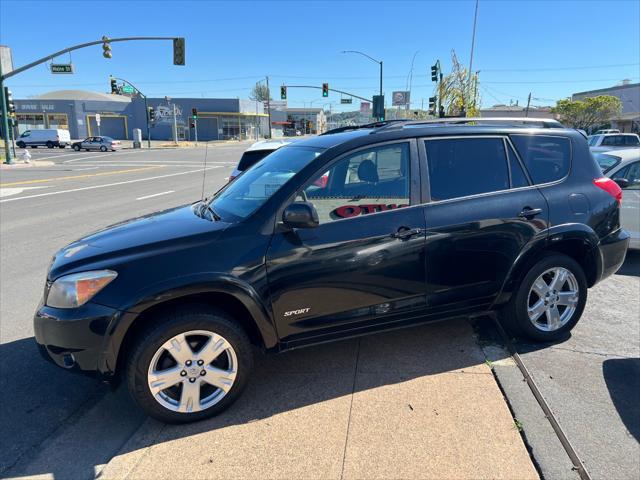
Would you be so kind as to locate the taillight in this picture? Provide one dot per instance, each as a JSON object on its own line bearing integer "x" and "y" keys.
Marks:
{"x": 609, "y": 186}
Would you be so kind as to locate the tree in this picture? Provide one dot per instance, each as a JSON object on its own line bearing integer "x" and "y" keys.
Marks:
{"x": 591, "y": 111}
{"x": 260, "y": 93}
{"x": 456, "y": 91}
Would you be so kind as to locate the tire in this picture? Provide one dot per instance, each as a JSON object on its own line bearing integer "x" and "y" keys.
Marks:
{"x": 62, "y": 146}
{"x": 103, "y": 148}
{"x": 76, "y": 148}
{"x": 551, "y": 324}
{"x": 20, "y": 145}
{"x": 49, "y": 144}
{"x": 149, "y": 351}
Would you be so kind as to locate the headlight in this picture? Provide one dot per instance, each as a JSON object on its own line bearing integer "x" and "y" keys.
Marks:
{"x": 77, "y": 289}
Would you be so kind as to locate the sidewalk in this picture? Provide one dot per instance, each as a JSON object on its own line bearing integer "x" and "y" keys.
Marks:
{"x": 411, "y": 404}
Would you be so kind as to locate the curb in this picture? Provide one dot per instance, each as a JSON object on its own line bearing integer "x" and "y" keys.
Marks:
{"x": 43, "y": 163}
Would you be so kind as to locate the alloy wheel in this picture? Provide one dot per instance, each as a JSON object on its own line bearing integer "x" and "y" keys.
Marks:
{"x": 192, "y": 371}
{"x": 553, "y": 299}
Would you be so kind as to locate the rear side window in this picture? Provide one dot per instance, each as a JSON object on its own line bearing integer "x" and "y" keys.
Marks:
{"x": 518, "y": 177}
{"x": 249, "y": 159}
{"x": 631, "y": 140}
{"x": 546, "y": 158}
{"x": 613, "y": 141}
{"x": 466, "y": 166}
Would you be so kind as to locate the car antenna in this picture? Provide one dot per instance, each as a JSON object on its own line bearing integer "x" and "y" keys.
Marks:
{"x": 204, "y": 169}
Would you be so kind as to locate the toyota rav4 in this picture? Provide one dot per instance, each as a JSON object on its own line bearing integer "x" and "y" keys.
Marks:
{"x": 336, "y": 236}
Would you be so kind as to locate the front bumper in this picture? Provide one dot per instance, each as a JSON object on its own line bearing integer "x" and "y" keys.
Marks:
{"x": 75, "y": 338}
{"x": 612, "y": 250}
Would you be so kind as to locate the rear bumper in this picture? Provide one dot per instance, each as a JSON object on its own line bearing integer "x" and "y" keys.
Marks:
{"x": 74, "y": 339}
{"x": 612, "y": 251}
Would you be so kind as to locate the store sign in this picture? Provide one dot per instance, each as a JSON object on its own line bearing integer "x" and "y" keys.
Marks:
{"x": 61, "y": 68}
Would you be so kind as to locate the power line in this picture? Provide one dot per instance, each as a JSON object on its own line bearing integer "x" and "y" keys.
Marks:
{"x": 552, "y": 69}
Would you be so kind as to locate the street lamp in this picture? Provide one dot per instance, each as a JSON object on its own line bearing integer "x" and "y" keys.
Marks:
{"x": 370, "y": 58}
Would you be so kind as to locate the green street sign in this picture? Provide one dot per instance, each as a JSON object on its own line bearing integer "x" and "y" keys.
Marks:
{"x": 61, "y": 68}
{"x": 346, "y": 100}
{"x": 128, "y": 89}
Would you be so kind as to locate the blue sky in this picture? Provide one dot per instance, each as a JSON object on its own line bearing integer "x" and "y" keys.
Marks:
{"x": 550, "y": 48}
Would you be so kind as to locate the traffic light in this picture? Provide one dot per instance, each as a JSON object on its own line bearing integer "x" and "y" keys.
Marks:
{"x": 194, "y": 113}
{"x": 11, "y": 108}
{"x": 283, "y": 92}
{"x": 434, "y": 73}
{"x": 432, "y": 103}
{"x": 441, "y": 111}
{"x": 114, "y": 86}
{"x": 325, "y": 89}
{"x": 152, "y": 114}
{"x": 178, "y": 51}
{"x": 106, "y": 48}
{"x": 192, "y": 125}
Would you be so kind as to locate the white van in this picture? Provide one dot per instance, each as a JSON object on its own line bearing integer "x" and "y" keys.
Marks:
{"x": 50, "y": 137}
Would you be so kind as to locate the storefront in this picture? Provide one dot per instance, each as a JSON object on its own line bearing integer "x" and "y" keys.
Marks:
{"x": 77, "y": 110}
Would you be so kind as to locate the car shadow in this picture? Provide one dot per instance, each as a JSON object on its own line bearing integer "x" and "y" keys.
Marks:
{"x": 279, "y": 383}
{"x": 622, "y": 376}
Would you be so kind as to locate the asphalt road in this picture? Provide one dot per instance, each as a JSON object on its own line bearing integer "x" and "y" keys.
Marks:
{"x": 41, "y": 210}
{"x": 590, "y": 379}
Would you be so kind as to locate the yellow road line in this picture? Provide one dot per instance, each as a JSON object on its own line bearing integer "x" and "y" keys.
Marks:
{"x": 87, "y": 175}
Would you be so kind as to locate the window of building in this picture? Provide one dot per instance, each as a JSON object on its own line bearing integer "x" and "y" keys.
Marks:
{"x": 466, "y": 166}
{"x": 546, "y": 158}
{"x": 30, "y": 121}
{"x": 58, "y": 120}
{"x": 369, "y": 181}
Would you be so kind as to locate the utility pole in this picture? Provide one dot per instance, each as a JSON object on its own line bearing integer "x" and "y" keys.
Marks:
{"x": 195, "y": 129}
{"x": 269, "y": 105}
{"x": 473, "y": 42}
{"x": 526, "y": 112}
{"x": 175, "y": 125}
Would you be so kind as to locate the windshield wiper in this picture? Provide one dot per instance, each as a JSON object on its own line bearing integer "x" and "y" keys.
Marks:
{"x": 206, "y": 206}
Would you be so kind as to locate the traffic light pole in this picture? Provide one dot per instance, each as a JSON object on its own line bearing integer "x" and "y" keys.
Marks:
{"x": 5, "y": 122}
{"x": 146, "y": 107}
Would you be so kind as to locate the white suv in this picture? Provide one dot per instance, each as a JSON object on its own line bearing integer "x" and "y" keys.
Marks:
{"x": 255, "y": 153}
{"x": 611, "y": 141}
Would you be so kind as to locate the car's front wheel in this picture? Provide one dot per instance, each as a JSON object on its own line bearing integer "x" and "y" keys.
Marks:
{"x": 190, "y": 365}
{"x": 549, "y": 300}
{"x": 21, "y": 144}
{"x": 103, "y": 148}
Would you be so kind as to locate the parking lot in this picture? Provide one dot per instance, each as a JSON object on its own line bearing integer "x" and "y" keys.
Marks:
{"x": 416, "y": 403}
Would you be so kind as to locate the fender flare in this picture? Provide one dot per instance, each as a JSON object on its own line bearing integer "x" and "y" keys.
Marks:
{"x": 546, "y": 241}
{"x": 180, "y": 287}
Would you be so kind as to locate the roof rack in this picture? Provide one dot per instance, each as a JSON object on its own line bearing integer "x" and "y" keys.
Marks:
{"x": 348, "y": 128}
{"x": 504, "y": 121}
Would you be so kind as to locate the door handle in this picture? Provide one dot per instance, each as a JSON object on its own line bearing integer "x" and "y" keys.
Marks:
{"x": 529, "y": 213}
{"x": 404, "y": 233}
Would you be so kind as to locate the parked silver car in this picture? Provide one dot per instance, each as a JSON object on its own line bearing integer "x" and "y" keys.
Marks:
{"x": 97, "y": 143}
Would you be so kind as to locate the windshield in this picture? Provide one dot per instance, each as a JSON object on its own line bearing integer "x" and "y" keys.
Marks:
{"x": 606, "y": 162}
{"x": 243, "y": 196}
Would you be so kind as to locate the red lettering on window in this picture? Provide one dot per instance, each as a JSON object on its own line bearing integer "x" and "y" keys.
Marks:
{"x": 347, "y": 211}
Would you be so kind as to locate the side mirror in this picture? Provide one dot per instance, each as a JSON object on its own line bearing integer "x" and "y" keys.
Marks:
{"x": 300, "y": 215}
{"x": 622, "y": 182}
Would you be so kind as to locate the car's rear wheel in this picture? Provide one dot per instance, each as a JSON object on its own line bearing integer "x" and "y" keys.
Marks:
{"x": 49, "y": 144}
{"x": 190, "y": 365}
{"x": 76, "y": 148}
{"x": 62, "y": 146}
{"x": 549, "y": 301}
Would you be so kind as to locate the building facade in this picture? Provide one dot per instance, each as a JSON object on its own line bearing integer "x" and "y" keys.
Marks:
{"x": 75, "y": 110}
{"x": 629, "y": 94}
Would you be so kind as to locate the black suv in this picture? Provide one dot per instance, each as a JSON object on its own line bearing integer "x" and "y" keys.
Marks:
{"x": 331, "y": 237}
